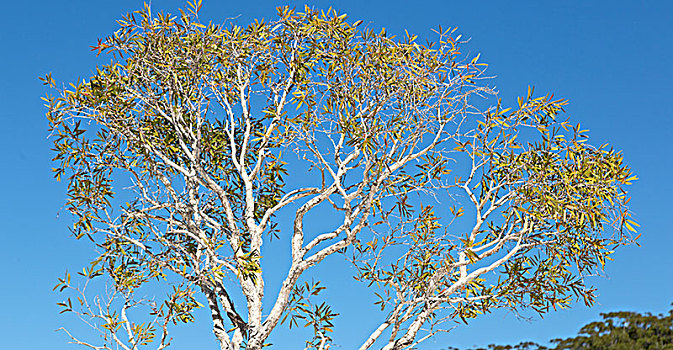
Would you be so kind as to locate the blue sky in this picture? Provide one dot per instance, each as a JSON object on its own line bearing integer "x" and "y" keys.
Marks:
{"x": 611, "y": 61}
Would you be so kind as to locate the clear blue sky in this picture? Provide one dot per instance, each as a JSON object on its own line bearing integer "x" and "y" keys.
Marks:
{"x": 613, "y": 62}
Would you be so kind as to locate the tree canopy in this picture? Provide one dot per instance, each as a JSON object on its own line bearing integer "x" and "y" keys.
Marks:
{"x": 197, "y": 154}
{"x": 622, "y": 330}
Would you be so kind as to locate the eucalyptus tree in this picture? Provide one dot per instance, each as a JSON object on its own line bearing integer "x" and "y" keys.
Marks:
{"x": 198, "y": 145}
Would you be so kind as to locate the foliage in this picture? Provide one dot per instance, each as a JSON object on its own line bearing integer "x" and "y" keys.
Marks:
{"x": 177, "y": 156}
{"x": 617, "y": 331}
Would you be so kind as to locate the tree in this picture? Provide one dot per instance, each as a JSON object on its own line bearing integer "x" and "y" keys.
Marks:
{"x": 617, "y": 331}
{"x": 623, "y": 330}
{"x": 526, "y": 345}
{"x": 177, "y": 156}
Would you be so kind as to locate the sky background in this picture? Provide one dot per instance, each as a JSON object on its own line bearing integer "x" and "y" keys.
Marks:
{"x": 613, "y": 62}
